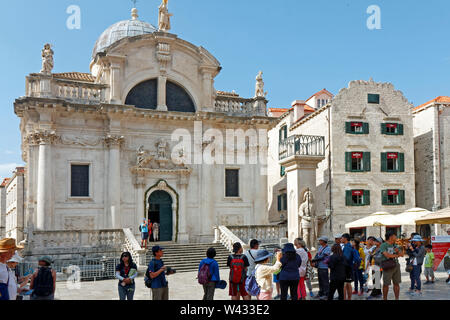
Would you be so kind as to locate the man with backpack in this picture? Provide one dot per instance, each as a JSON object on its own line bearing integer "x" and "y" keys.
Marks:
{"x": 238, "y": 264}
{"x": 375, "y": 261}
{"x": 353, "y": 258}
{"x": 251, "y": 256}
{"x": 156, "y": 275}
{"x": 43, "y": 281}
{"x": 208, "y": 274}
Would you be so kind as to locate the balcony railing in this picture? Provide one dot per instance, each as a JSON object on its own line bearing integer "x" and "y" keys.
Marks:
{"x": 300, "y": 145}
{"x": 237, "y": 106}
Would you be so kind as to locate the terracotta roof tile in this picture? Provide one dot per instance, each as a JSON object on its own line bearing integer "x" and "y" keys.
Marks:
{"x": 78, "y": 76}
{"x": 440, "y": 99}
{"x": 319, "y": 93}
{"x": 5, "y": 182}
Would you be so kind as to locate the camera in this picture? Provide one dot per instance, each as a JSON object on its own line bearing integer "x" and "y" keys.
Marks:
{"x": 170, "y": 271}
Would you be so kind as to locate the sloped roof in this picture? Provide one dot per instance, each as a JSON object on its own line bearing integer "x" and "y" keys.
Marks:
{"x": 440, "y": 99}
{"x": 78, "y": 76}
{"x": 5, "y": 182}
{"x": 323, "y": 91}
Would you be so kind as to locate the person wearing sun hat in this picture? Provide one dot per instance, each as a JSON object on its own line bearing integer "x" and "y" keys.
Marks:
{"x": 418, "y": 255}
{"x": 43, "y": 281}
{"x": 8, "y": 284}
{"x": 265, "y": 272}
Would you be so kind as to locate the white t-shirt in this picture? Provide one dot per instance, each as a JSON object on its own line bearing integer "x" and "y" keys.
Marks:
{"x": 5, "y": 272}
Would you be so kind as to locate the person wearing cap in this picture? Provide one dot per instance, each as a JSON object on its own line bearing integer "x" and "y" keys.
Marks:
{"x": 238, "y": 264}
{"x": 8, "y": 284}
{"x": 43, "y": 281}
{"x": 337, "y": 240}
{"x": 213, "y": 270}
{"x": 376, "y": 270}
{"x": 289, "y": 275}
{"x": 264, "y": 273}
{"x": 21, "y": 281}
{"x": 251, "y": 254}
{"x": 157, "y": 271}
{"x": 418, "y": 256}
{"x": 321, "y": 263}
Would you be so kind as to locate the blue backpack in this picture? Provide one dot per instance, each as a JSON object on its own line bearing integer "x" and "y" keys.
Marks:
{"x": 251, "y": 286}
{"x": 356, "y": 258}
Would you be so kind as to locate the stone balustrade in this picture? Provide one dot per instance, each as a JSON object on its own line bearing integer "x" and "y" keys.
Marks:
{"x": 43, "y": 86}
{"x": 237, "y": 106}
{"x": 265, "y": 234}
{"x": 302, "y": 145}
{"x": 133, "y": 247}
{"x": 58, "y": 241}
{"x": 224, "y": 236}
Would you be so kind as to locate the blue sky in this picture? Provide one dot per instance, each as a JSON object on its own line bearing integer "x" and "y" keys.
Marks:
{"x": 302, "y": 46}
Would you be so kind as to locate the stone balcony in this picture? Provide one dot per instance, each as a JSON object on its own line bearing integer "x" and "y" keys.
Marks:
{"x": 234, "y": 105}
{"x": 50, "y": 86}
{"x": 301, "y": 145}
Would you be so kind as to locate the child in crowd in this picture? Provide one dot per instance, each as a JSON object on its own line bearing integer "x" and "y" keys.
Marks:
{"x": 429, "y": 262}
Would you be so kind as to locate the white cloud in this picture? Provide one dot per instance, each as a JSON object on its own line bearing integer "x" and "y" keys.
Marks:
{"x": 9, "y": 152}
{"x": 6, "y": 169}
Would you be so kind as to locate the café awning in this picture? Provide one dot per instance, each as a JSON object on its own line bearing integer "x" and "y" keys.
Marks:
{"x": 377, "y": 219}
{"x": 438, "y": 217}
{"x": 409, "y": 217}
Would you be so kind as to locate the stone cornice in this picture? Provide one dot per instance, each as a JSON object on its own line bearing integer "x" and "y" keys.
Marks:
{"x": 25, "y": 104}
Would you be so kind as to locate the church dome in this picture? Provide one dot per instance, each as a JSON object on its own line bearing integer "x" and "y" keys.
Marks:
{"x": 121, "y": 30}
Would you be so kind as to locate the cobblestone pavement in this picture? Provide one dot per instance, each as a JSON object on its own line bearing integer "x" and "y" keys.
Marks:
{"x": 184, "y": 287}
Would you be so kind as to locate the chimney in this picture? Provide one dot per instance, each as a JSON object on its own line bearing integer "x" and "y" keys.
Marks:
{"x": 299, "y": 109}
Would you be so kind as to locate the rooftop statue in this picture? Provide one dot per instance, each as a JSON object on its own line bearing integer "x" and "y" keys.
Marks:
{"x": 47, "y": 59}
{"x": 164, "y": 17}
{"x": 259, "y": 91}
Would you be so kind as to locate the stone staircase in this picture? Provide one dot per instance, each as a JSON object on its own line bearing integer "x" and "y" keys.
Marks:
{"x": 187, "y": 257}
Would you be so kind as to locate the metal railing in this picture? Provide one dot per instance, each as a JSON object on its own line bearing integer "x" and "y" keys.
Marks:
{"x": 302, "y": 145}
{"x": 88, "y": 269}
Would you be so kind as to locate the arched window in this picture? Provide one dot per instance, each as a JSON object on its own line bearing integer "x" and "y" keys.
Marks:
{"x": 145, "y": 96}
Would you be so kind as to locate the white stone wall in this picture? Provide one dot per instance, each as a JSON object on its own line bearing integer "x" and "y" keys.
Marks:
{"x": 2, "y": 211}
{"x": 15, "y": 208}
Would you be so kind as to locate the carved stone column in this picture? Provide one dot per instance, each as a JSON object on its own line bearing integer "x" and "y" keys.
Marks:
{"x": 301, "y": 175}
{"x": 183, "y": 236}
{"x": 140, "y": 208}
{"x": 162, "y": 82}
{"x": 44, "y": 212}
{"x": 114, "y": 143}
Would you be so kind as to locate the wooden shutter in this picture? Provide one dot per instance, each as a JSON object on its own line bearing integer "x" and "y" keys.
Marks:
{"x": 348, "y": 127}
{"x": 365, "y": 128}
{"x": 348, "y": 161}
{"x": 401, "y": 197}
{"x": 366, "y": 161}
{"x": 348, "y": 198}
{"x": 384, "y": 162}
{"x": 401, "y": 162}
{"x": 383, "y": 128}
{"x": 400, "y": 129}
{"x": 366, "y": 197}
{"x": 279, "y": 203}
{"x": 384, "y": 197}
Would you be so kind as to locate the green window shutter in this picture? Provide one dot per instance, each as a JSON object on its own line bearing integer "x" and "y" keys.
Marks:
{"x": 365, "y": 128}
{"x": 401, "y": 197}
{"x": 383, "y": 128}
{"x": 280, "y": 135}
{"x": 401, "y": 162}
{"x": 366, "y": 161}
{"x": 282, "y": 171}
{"x": 348, "y": 127}
{"x": 348, "y": 161}
{"x": 367, "y": 197}
{"x": 285, "y": 132}
{"x": 279, "y": 203}
{"x": 384, "y": 197}
{"x": 297, "y": 146}
{"x": 348, "y": 198}
{"x": 285, "y": 201}
{"x": 400, "y": 129}
{"x": 383, "y": 162}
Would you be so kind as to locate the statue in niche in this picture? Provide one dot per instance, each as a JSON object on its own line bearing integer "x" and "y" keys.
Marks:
{"x": 162, "y": 149}
{"x": 47, "y": 59}
{"x": 140, "y": 155}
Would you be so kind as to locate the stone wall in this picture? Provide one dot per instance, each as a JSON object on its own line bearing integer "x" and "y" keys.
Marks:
{"x": 2, "y": 211}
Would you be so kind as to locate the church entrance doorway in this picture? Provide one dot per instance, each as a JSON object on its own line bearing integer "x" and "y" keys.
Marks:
{"x": 160, "y": 211}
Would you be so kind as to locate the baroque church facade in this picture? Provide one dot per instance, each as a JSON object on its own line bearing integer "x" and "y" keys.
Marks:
{"x": 130, "y": 140}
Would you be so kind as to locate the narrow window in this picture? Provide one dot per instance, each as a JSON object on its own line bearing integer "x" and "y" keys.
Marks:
{"x": 232, "y": 183}
{"x": 79, "y": 181}
{"x": 392, "y": 161}
{"x": 357, "y": 161}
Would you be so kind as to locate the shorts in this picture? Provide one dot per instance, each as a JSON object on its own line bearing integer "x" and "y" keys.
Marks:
{"x": 238, "y": 289}
{"x": 349, "y": 275}
{"x": 144, "y": 235}
{"x": 392, "y": 276}
{"x": 276, "y": 278}
{"x": 429, "y": 272}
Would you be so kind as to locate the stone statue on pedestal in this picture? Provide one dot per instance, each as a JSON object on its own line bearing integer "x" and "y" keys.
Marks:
{"x": 140, "y": 154}
{"x": 259, "y": 91}
{"x": 164, "y": 17}
{"x": 306, "y": 215}
{"x": 47, "y": 59}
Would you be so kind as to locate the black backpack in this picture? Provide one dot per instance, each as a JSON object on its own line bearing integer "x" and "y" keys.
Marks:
{"x": 43, "y": 283}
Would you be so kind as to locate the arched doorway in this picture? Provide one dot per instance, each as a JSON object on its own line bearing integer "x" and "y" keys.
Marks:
{"x": 160, "y": 211}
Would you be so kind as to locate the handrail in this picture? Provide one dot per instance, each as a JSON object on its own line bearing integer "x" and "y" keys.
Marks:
{"x": 133, "y": 247}
{"x": 227, "y": 238}
{"x": 302, "y": 145}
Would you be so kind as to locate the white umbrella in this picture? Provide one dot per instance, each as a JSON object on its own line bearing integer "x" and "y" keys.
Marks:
{"x": 377, "y": 219}
{"x": 439, "y": 217}
{"x": 409, "y": 217}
